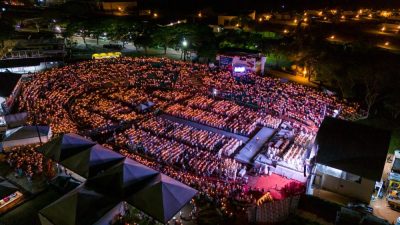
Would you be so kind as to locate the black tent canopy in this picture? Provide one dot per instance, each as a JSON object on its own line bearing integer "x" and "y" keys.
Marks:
{"x": 111, "y": 178}
{"x": 78, "y": 207}
{"x": 6, "y": 188}
{"x": 92, "y": 161}
{"x": 65, "y": 146}
{"x": 122, "y": 179}
{"x": 162, "y": 197}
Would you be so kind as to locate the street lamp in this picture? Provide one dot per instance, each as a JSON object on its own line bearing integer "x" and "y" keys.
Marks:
{"x": 383, "y": 29}
{"x": 155, "y": 15}
{"x": 387, "y": 43}
{"x": 184, "y": 45}
{"x": 332, "y": 37}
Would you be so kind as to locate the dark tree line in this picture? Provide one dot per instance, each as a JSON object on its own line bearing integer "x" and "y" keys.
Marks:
{"x": 146, "y": 34}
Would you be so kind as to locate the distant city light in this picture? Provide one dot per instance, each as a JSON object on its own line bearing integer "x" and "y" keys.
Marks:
{"x": 260, "y": 19}
{"x": 285, "y": 31}
{"x": 386, "y": 13}
{"x": 383, "y": 29}
{"x": 155, "y": 15}
{"x": 332, "y": 37}
{"x": 199, "y": 14}
{"x": 370, "y": 15}
{"x": 295, "y": 21}
{"x": 387, "y": 43}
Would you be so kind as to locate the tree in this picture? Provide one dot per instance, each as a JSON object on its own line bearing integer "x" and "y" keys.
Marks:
{"x": 97, "y": 28}
{"x": 5, "y": 32}
{"x": 80, "y": 27}
{"x": 373, "y": 76}
{"x": 122, "y": 30}
{"x": 143, "y": 35}
{"x": 392, "y": 104}
{"x": 166, "y": 37}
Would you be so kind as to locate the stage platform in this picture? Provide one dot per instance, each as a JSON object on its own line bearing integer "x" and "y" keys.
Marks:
{"x": 273, "y": 184}
{"x": 251, "y": 149}
{"x": 204, "y": 127}
{"x": 281, "y": 168}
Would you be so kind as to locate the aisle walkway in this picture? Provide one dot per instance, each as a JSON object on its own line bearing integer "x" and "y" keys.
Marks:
{"x": 204, "y": 127}
{"x": 251, "y": 149}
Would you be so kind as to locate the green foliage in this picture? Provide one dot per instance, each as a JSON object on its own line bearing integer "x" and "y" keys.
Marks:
{"x": 6, "y": 32}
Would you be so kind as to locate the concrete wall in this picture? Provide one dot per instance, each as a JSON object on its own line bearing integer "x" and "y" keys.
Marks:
{"x": 361, "y": 191}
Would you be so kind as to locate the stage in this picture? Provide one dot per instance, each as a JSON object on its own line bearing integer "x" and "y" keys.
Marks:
{"x": 272, "y": 183}
{"x": 251, "y": 149}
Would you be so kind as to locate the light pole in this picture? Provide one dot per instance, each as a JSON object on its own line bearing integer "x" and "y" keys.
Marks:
{"x": 184, "y": 45}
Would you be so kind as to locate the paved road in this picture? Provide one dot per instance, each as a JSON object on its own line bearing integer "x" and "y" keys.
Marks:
{"x": 297, "y": 79}
{"x": 204, "y": 127}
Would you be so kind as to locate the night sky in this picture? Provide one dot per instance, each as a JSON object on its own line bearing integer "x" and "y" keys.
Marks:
{"x": 235, "y": 5}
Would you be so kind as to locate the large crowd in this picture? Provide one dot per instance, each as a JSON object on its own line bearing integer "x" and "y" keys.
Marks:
{"x": 28, "y": 163}
{"x": 103, "y": 98}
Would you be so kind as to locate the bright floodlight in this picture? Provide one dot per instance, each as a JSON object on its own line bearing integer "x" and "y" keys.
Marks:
{"x": 184, "y": 43}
